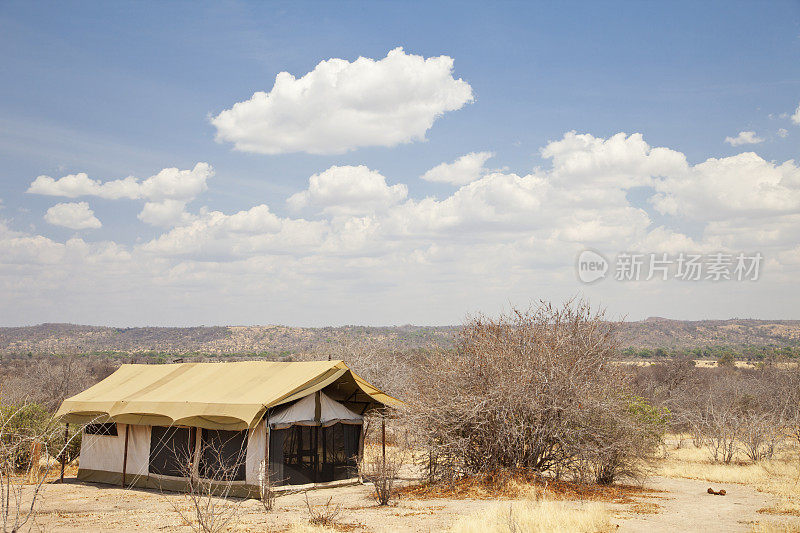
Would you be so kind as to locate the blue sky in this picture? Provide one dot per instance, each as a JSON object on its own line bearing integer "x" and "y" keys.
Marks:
{"x": 116, "y": 89}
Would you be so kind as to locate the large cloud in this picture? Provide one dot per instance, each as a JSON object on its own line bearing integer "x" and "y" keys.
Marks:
{"x": 340, "y": 106}
{"x": 463, "y": 170}
{"x": 75, "y": 215}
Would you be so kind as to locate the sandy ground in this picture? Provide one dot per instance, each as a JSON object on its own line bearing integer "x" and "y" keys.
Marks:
{"x": 673, "y": 505}
{"x": 685, "y": 505}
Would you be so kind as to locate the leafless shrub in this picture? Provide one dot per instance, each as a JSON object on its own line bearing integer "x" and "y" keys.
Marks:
{"x": 722, "y": 430}
{"x": 729, "y": 410}
{"x": 48, "y": 380}
{"x": 383, "y": 474}
{"x": 535, "y": 390}
{"x": 25, "y": 441}
{"x": 212, "y": 507}
{"x": 267, "y": 493}
{"x": 323, "y": 515}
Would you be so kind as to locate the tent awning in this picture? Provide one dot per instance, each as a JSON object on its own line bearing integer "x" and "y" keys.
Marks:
{"x": 232, "y": 395}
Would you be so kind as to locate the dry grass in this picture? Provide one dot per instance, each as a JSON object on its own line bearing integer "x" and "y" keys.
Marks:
{"x": 518, "y": 485}
{"x": 308, "y": 528}
{"x": 779, "y": 476}
{"x": 536, "y": 517}
{"x": 774, "y": 527}
{"x": 694, "y": 463}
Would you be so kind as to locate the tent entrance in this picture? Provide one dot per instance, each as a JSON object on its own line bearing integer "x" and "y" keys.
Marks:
{"x": 314, "y": 440}
{"x": 314, "y": 454}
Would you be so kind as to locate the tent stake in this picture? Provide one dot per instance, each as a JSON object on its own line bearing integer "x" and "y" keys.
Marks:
{"x": 125, "y": 456}
{"x": 64, "y": 451}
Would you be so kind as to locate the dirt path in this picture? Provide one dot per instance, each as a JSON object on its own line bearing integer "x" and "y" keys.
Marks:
{"x": 673, "y": 505}
{"x": 685, "y": 505}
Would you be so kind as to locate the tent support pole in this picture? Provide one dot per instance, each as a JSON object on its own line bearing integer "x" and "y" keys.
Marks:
{"x": 364, "y": 427}
{"x": 64, "y": 451}
{"x": 267, "y": 481}
{"x": 125, "y": 456}
{"x": 315, "y": 462}
{"x": 383, "y": 439}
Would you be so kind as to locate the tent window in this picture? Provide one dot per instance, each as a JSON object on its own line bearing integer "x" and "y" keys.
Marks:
{"x": 109, "y": 429}
{"x": 170, "y": 451}
{"x": 223, "y": 455}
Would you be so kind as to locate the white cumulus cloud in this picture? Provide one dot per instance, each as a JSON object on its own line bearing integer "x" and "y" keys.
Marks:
{"x": 744, "y": 137}
{"x": 166, "y": 192}
{"x": 169, "y": 183}
{"x": 340, "y": 106}
{"x": 463, "y": 170}
{"x": 501, "y": 236}
{"x": 783, "y": 133}
{"x": 619, "y": 161}
{"x": 741, "y": 185}
{"x": 348, "y": 190}
{"x": 796, "y": 116}
{"x": 75, "y": 215}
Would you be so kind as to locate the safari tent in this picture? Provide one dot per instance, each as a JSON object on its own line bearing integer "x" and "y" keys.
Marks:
{"x": 160, "y": 426}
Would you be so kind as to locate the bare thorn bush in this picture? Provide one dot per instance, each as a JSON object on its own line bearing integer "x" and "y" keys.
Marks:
{"x": 535, "y": 389}
{"x": 212, "y": 506}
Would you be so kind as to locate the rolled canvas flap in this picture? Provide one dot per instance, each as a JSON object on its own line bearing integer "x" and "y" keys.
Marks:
{"x": 303, "y": 413}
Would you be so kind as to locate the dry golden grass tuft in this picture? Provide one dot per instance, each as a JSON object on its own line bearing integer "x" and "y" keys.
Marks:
{"x": 536, "y": 517}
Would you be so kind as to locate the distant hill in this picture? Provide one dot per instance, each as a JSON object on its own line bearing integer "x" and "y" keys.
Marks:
{"x": 229, "y": 340}
{"x": 216, "y": 340}
{"x": 664, "y": 333}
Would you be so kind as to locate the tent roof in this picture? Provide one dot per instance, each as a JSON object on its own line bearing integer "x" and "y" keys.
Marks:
{"x": 233, "y": 395}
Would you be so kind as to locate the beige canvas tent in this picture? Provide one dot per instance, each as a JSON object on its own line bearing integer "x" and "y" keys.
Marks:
{"x": 158, "y": 426}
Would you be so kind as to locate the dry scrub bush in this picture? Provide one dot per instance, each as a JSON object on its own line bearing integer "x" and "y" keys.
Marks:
{"x": 383, "y": 474}
{"x": 48, "y": 380}
{"x": 22, "y": 476}
{"x": 536, "y": 517}
{"x": 212, "y": 508}
{"x": 323, "y": 515}
{"x": 727, "y": 410}
{"x": 532, "y": 390}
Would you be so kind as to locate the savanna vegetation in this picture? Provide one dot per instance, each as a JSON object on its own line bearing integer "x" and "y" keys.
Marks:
{"x": 538, "y": 397}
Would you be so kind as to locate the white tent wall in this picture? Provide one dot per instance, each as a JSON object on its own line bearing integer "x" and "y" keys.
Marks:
{"x": 256, "y": 454}
{"x": 102, "y": 456}
{"x": 106, "y": 453}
